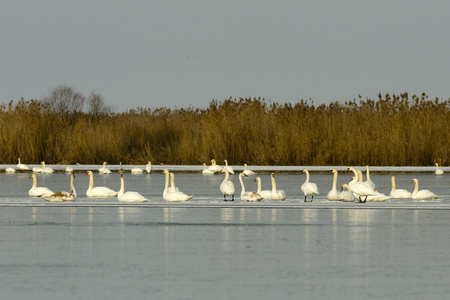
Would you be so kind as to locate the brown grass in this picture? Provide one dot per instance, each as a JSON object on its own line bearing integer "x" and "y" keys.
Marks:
{"x": 392, "y": 130}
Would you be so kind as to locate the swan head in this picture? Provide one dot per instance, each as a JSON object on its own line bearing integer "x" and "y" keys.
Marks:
{"x": 272, "y": 175}
{"x": 257, "y": 179}
{"x": 344, "y": 186}
{"x": 88, "y": 173}
{"x": 414, "y": 180}
{"x": 333, "y": 171}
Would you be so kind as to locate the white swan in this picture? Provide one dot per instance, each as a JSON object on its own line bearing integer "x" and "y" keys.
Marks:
{"x": 247, "y": 171}
{"x": 64, "y": 196}
{"x": 43, "y": 169}
{"x": 128, "y": 196}
{"x": 21, "y": 166}
{"x": 137, "y": 170}
{"x": 98, "y": 191}
{"x": 38, "y": 191}
{"x": 214, "y": 167}
{"x": 266, "y": 194}
{"x": 398, "y": 193}
{"x": 376, "y": 196}
{"x": 38, "y": 169}
{"x": 230, "y": 169}
{"x": 333, "y": 194}
{"x": 438, "y": 170}
{"x": 422, "y": 194}
{"x": 172, "y": 187}
{"x": 207, "y": 171}
{"x": 173, "y": 196}
{"x": 10, "y": 170}
{"x": 309, "y": 188}
{"x": 361, "y": 189}
{"x": 276, "y": 194}
{"x": 368, "y": 180}
{"x": 248, "y": 196}
{"x": 104, "y": 169}
{"x": 346, "y": 196}
{"x": 227, "y": 186}
{"x": 148, "y": 167}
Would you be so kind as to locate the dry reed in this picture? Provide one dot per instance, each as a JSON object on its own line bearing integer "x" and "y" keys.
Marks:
{"x": 392, "y": 130}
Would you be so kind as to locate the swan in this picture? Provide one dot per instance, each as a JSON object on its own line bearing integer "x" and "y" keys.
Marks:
{"x": 36, "y": 191}
{"x": 69, "y": 169}
{"x": 46, "y": 170}
{"x": 98, "y": 191}
{"x": 422, "y": 194}
{"x": 121, "y": 170}
{"x": 276, "y": 194}
{"x": 137, "y": 170}
{"x": 398, "y": 193}
{"x": 369, "y": 181}
{"x": 214, "y": 167}
{"x": 230, "y": 169}
{"x": 309, "y": 188}
{"x": 266, "y": 194}
{"x": 248, "y": 172}
{"x": 173, "y": 196}
{"x": 148, "y": 167}
{"x": 438, "y": 170}
{"x": 64, "y": 196}
{"x": 333, "y": 194}
{"x": 10, "y": 170}
{"x": 361, "y": 189}
{"x": 248, "y": 196}
{"x": 346, "y": 196}
{"x": 376, "y": 196}
{"x": 38, "y": 169}
{"x": 207, "y": 171}
{"x": 128, "y": 196}
{"x": 104, "y": 169}
{"x": 227, "y": 186}
{"x": 172, "y": 187}
{"x": 21, "y": 166}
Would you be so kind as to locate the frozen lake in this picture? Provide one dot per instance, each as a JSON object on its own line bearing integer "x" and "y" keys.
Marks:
{"x": 210, "y": 249}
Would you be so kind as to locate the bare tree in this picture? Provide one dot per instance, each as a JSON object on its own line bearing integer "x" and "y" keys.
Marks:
{"x": 63, "y": 99}
{"x": 97, "y": 105}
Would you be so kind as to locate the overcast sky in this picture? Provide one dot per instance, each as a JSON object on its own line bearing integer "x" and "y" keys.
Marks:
{"x": 182, "y": 53}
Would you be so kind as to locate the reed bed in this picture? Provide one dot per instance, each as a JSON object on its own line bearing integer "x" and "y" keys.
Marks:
{"x": 390, "y": 131}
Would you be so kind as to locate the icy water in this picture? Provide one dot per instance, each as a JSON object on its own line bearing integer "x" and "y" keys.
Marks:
{"x": 210, "y": 249}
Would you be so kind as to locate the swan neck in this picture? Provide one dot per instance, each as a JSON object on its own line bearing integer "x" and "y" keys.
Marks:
{"x": 335, "y": 175}
{"x": 166, "y": 185}
{"x": 367, "y": 173}
{"x": 72, "y": 186}
{"x": 172, "y": 181}
{"x": 122, "y": 186}
{"x": 242, "y": 184}
{"x": 416, "y": 186}
{"x": 34, "y": 181}
{"x": 274, "y": 184}
{"x": 91, "y": 181}
{"x": 258, "y": 181}
{"x": 227, "y": 175}
{"x": 393, "y": 182}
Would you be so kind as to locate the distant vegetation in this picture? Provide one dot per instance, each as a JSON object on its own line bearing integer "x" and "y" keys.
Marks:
{"x": 390, "y": 131}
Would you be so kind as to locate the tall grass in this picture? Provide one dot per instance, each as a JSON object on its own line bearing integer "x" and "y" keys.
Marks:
{"x": 391, "y": 130}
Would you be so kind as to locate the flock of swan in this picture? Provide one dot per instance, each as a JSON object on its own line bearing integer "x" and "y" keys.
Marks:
{"x": 355, "y": 190}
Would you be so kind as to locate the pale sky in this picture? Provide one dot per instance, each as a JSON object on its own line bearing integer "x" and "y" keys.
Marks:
{"x": 182, "y": 53}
